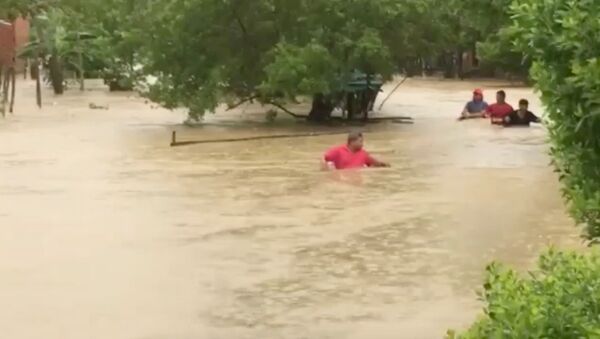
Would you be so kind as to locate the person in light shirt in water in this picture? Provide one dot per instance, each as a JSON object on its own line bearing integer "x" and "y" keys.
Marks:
{"x": 475, "y": 108}
{"x": 350, "y": 156}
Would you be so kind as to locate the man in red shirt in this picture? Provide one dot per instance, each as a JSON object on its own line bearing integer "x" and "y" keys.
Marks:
{"x": 351, "y": 155}
{"x": 500, "y": 110}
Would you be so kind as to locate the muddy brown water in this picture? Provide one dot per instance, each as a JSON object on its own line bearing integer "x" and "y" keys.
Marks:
{"x": 106, "y": 232}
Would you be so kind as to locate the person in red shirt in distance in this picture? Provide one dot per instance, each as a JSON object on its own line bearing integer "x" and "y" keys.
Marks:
{"x": 500, "y": 110}
{"x": 351, "y": 155}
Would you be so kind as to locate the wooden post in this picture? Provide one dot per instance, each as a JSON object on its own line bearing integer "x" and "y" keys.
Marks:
{"x": 173, "y": 138}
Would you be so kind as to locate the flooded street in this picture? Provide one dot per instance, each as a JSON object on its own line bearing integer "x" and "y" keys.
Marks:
{"x": 107, "y": 232}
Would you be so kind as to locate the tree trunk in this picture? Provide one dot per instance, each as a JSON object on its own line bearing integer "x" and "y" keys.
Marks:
{"x": 5, "y": 84}
{"x": 33, "y": 70}
{"x": 80, "y": 61}
{"x": 38, "y": 83}
{"x": 448, "y": 65}
{"x": 412, "y": 67}
{"x": 321, "y": 109}
{"x": 459, "y": 64}
{"x": 474, "y": 56}
{"x": 13, "y": 89}
{"x": 116, "y": 86}
{"x": 373, "y": 94}
{"x": 352, "y": 105}
{"x": 56, "y": 74}
{"x": 366, "y": 99}
{"x": 38, "y": 68}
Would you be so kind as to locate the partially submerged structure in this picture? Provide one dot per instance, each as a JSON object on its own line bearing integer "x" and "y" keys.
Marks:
{"x": 355, "y": 98}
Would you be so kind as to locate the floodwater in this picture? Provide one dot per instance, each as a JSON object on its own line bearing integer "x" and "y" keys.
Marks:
{"x": 107, "y": 232}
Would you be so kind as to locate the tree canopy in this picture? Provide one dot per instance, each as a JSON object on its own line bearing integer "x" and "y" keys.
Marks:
{"x": 205, "y": 52}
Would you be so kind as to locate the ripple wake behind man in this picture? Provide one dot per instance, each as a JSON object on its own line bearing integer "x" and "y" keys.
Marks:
{"x": 350, "y": 156}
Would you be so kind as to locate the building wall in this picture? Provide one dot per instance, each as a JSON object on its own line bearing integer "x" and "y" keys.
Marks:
{"x": 21, "y": 39}
{"x": 7, "y": 43}
{"x": 12, "y": 38}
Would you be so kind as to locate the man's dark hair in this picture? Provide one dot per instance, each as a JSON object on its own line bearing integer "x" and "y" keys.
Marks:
{"x": 502, "y": 93}
{"x": 523, "y": 102}
{"x": 353, "y": 136}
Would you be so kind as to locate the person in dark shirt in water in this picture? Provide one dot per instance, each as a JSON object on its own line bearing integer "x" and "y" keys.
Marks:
{"x": 522, "y": 116}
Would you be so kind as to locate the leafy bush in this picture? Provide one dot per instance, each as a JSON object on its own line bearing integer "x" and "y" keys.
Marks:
{"x": 560, "y": 300}
{"x": 561, "y": 37}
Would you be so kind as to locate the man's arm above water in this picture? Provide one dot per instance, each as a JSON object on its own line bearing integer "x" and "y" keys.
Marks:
{"x": 327, "y": 165}
{"x": 372, "y": 162}
{"x": 509, "y": 119}
{"x": 534, "y": 118}
{"x": 328, "y": 160}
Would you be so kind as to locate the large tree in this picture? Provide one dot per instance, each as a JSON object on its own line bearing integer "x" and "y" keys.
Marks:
{"x": 206, "y": 52}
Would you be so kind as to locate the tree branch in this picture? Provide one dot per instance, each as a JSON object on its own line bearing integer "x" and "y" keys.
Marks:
{"x": 298, "y": 116}
{"x": 241, "y": 102}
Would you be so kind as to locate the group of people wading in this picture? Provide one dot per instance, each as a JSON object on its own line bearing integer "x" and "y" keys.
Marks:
{"x": 352, "y": 155}
{"x": 499, "y": 113}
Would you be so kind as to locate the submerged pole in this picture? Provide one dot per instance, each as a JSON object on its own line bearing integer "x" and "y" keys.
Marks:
{"x": 175, "y": 143}
{"x": 173, "y": 138}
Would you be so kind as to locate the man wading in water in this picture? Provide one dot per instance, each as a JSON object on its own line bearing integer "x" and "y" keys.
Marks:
{"x": 522, "y": 116}
{"x": 351, "y": 155}
{"x": 500, "y": 109}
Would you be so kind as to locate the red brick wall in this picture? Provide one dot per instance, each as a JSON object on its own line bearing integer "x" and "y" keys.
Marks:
{"x": 12, "y": 37}
{"x": 21, "y": 38}
{"x": 7, "y": 43}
